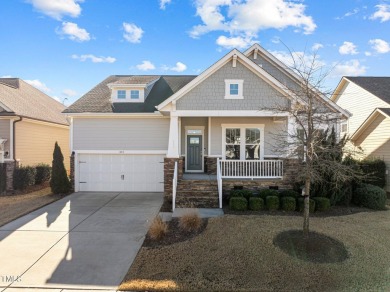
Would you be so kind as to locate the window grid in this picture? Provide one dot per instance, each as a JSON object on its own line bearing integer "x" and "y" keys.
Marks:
{"x": 121, "y": 94}
{"x": 134, "y": 94}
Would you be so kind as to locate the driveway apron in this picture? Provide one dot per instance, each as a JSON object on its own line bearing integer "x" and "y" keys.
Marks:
{"x": 83, "y": 241}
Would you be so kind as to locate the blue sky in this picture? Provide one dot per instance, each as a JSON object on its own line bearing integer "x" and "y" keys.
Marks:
{"x": 65, "y": 47}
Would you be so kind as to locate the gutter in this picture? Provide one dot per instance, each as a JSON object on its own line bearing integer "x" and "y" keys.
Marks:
{"x": 13, "y": 137}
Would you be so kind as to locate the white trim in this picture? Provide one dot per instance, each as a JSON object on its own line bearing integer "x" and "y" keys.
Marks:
{"x": 216, "y": 156}
{"x": 122, "y": 152}
{"x": 11, "y": 139}
{"x": 201, "y": 128}
{"x": 228, "y": 113}
{"x": 180, "y": 136}
{"x": 71, "y": 135}
{"x": 49, "y": 124}
{"x": 242, "y": 128}
{"x": 117, "y": 115}
{"x": 6, "y": 107}
{"x": 367, "y": 123}
{"x": 173, "y": 139}
{"x": 209, "y": 137}
{"x": 240, "y": 84}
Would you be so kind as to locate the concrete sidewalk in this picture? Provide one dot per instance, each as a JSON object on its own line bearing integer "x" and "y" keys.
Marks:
{"x": 84, "y": 241}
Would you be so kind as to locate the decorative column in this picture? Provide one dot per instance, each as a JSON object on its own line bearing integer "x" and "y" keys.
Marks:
{"x": 173, "y": 143}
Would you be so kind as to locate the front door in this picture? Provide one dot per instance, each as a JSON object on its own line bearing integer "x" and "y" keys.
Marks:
{"x": 194, "y": 153}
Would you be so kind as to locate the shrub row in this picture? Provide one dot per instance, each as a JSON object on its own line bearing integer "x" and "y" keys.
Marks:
{"x": 28, "y": 176}
{"x": 263, "y": 194}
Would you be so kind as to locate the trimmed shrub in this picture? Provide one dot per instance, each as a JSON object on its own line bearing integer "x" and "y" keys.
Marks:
{"x": 24, "y": 177}
{"x": 301, "y": 205}
{"x": 158, "y": 229}
{"x": 238, "y": 204}
{"x": 267, "y": 192}
{"x": 375, "y": 169}
{"x": 256, "y": 204}
{"x": 289, "y": 193}
{"x": 288, "y": 203}
{"x": 241, "y": 193}
{"x": 370, "y": 196}
{"x": 272, "y": 203}
{"x": 322, "y": 204}
{"x": 190, "y": 221}
{"x": 59, "y": 182}
{"x": 43, "y": 173}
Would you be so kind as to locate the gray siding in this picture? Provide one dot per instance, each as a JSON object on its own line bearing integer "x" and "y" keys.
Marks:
{"x": 194, "y": 122}
{"x": 5, "y": 132}
{"x": 272, "y": 133}
{"x": 210, "y": 94}
{"x": 121, "y": 134}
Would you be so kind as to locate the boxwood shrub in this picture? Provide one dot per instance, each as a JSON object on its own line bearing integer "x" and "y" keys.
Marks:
{"x": 24, "y": 177}
{"x": 322, "y": 204}
{"x": 301, "y": 205}
{"x": 43, "y": 173}
{"x": 272, "y": 202}
{"x": 288, "y": 203}
{"x": 267, "y": 192}
{"x": 238, "y": 204}
{"x": 241, "y": 193}
{"x": 256, "y": 204}
{"x": 370, "y": 196}
{"x": 289, "y": 193}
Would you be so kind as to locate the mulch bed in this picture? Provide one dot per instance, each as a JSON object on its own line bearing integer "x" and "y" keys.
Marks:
{"x": 174, "y": 235}
{"x": 28, "y": 190}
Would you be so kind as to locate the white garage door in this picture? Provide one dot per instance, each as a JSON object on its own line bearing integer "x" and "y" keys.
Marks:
{"x": 121, "y": 173}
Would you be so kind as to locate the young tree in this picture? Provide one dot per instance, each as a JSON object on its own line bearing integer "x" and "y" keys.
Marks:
{"x": 311, "y": 118}
{"x": 59, "y": 182}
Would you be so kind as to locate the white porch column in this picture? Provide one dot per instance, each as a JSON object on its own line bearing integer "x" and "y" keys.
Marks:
{"x": 291, "y": 135}
{"x": 173, "y": 143}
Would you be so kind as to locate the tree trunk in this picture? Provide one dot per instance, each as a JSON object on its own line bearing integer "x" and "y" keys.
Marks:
{"x": 306, "y": 209}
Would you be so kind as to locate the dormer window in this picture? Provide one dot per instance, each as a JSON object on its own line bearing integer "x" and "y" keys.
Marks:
{"x": 121, "y": 94}
{"x": 234, "y": 89}
{"x": 134, "y": 94}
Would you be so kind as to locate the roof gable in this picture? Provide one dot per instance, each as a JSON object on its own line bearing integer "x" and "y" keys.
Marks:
{"x": 385, "y": 112}
{"x": 378, "y": 86}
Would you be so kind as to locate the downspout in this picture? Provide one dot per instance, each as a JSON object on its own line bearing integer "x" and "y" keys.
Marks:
{"x": 13, "y": 137}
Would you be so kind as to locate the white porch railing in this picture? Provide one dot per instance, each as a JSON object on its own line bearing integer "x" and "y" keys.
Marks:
{"x": 251, "y": 168}
{"x": 219, "y": 180}
{"x": 174, "y": 187}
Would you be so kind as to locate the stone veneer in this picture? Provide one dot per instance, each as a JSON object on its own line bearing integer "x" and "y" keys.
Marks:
{"x": 169, "y": 169}
{"x": 210, "y": 165}
{"x": 10, "y": 167}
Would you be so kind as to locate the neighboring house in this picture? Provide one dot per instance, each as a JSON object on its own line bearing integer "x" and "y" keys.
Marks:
{"x": 141, "y": 133}
{"x": 30, "y": 123}
{"x": 368, "y": 99}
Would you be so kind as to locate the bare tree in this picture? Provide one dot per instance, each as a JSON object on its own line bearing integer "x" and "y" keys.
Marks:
{"x": 312, "y": 123}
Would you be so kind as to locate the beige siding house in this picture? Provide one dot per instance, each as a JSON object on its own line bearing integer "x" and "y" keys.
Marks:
{"x": 368, "y": 99}
{"x": 187, "y": 135}
{"x": 30, "y": 124}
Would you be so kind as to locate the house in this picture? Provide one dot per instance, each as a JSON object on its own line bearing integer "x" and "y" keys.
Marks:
{"x": 193, "y": 137}
{"x": 30, "y": 123}
{"x": 368, "y": 99}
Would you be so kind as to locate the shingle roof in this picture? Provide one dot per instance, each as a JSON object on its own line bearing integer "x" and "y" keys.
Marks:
{"x": 98, "y": 99}
{"x": 136, "y": 79}
{"x": 25, "y": 100}
{"x": 379, "y": 86}
{"x": 385, "y": 110}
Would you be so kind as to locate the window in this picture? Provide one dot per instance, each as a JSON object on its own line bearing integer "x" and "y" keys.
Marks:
{"x": 121, "y": 94}
{"x": 344, "y": 127}
{"x": 234, "y": 89}
{"x": 134, "y": 94}
{"x": 243, "y": 143}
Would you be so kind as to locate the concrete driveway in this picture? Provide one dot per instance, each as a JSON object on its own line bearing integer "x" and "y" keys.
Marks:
{"x": 84, "y": 241}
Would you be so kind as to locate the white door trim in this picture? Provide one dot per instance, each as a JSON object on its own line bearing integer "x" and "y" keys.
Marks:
{"x": 201, "y": 128}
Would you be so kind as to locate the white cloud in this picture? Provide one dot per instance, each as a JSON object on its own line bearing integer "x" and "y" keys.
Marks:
{"x": 349, "y": 68}
{"x": 6, "y": 76}
{"x": 382, "y": 13}
{"x": 164, "y": 3}
{"x": 180, "y": 67}
{"x": 146, "y": 66}
{"x": 249, "y": 17}
{"x": 380, "y": 46}
{"x": 56, "y": 98}
{"x": 39, "y": 85}
{"x": 69, "y": 92}
{"x": 367, "y": 54}
{"x": 234, "y": 42}
{"x": 57, "y": 8}
{"x": 74, "y": 32}
{"x": 301, "y": 59}
{"x": 349, "y": 13}
{"x": 94, "y": 58}
{"x": 133, "y": 33}
{"x": 348, "y": 48}
{"x": 317, "y": 46}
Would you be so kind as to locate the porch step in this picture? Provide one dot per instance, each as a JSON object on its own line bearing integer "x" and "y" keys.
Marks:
{"x": 197, "y": 193}
{"x": 197, "y": 185}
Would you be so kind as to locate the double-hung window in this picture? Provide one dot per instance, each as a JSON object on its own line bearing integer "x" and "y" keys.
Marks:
{"x": 243, "y": 142}
{"x": 121, "y": 94}
{"x": 134, "y": 94}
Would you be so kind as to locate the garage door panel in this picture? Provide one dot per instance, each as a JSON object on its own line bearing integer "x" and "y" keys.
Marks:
{"x": 122, "y": 173}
